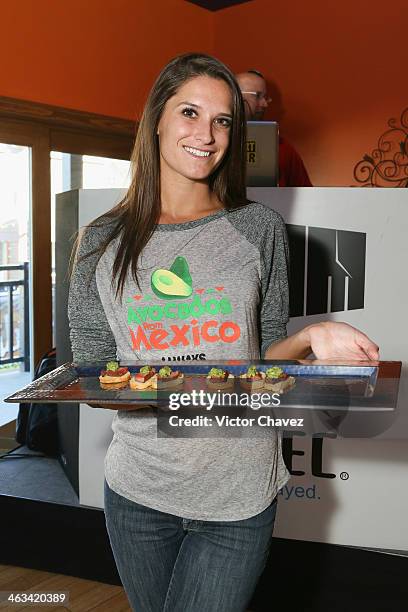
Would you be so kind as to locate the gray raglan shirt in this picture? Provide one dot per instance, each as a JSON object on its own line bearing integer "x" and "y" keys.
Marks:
{"x": 235, "y": 266}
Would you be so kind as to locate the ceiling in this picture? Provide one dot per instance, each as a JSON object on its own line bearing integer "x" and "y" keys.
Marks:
{"x": 216, "y": 5}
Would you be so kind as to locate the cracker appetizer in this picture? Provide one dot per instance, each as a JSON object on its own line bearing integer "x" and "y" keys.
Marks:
{"x": 114, "y": 374}
{"x": 219, "y": 379}
{"x": 143, "y": 379}
{"x": 114, "y": 386}
{"x": 277, "y": 380}
{"x": 167, "y": 379}
{"x": 253, "y": 379}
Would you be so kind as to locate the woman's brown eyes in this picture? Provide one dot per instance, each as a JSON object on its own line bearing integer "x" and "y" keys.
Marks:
{"x": 219, "y": 121}
{"x": 224, "y": 122}
{"x": 189, "y": 112}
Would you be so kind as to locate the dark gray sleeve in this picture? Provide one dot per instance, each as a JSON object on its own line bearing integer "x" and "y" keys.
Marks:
{"x": 265, "y": 229}
{"x": 92, "y": 339}
{"x": 275, "y": 287}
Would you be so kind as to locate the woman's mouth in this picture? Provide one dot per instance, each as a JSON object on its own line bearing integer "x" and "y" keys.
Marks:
{"x": 197, "y": 152}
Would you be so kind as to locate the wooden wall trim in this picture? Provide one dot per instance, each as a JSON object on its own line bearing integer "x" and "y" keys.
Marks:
{"x": 18, "y": 133}
{"x": 55, "y": 116}
{"x": 41, "y": 248}
{"x": 117, "y": 146}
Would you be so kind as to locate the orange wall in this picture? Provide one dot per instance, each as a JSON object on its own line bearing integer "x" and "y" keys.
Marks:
{"x": 337, "y": 70}
{"x": 95, "y": 55}
{"x": 338, "y": 66}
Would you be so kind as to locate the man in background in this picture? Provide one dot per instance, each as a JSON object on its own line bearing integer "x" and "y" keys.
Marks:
{"x": 292, "y": 171}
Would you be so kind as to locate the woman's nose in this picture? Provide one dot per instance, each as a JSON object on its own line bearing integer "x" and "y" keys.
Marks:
{"x": 204, "y": 132}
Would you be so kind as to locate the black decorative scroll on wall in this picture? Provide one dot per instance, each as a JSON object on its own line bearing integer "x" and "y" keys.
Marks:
{"x": 387, "y": 166}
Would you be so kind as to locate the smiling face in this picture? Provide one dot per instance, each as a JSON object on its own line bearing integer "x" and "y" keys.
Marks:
{"x": 194, "y": 129}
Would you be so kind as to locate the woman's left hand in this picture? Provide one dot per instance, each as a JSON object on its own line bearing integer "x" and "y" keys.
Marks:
{"x": 332, "y": 340}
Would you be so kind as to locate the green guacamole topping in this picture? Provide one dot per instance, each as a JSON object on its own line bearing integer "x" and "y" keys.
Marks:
{"x": 216, "y": 373}
{"x": 145, "y": 370}
{"x": 252, "y": 371}
{"x": 273, "y": 372}
{"x": 166, "y": 371}
{"x": 112, "y": 366}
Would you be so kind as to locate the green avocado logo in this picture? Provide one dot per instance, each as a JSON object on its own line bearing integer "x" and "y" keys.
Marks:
{"x": 173, "y": 284}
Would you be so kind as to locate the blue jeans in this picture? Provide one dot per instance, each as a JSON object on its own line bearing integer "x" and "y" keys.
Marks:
{"x": 171, "y": 564}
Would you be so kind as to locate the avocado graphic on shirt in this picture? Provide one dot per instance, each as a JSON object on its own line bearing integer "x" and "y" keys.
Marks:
{"x": 175, "y": 283}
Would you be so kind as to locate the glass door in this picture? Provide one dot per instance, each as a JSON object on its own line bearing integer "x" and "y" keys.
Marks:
{"x": 15, "y": 258}
{"x": 69, "y": 171}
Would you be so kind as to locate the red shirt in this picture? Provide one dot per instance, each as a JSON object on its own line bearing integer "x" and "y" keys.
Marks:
{"x": 292, "y": 171}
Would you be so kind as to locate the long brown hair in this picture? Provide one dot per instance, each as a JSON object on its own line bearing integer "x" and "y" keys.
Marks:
{"x": 137, "y": 214}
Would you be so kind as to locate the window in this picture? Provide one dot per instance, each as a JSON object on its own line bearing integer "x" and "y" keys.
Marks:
{"x": 75, "y": 135}
{"x": 15, "y": 257}
{"x": 76, "y": 172}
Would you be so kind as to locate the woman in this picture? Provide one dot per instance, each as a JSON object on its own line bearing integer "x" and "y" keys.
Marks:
{"x": 190, "y": 520}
